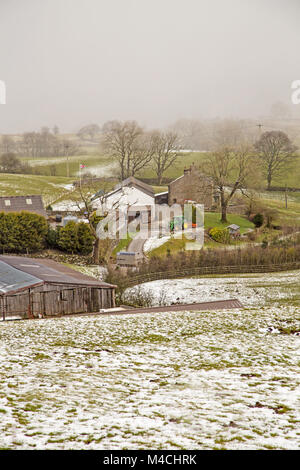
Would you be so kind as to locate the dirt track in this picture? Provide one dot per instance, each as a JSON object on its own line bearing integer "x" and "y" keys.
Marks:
{"x": 216, "y": 305}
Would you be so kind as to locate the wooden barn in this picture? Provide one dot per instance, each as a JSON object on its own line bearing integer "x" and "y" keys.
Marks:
{"x": 36, "y": 288}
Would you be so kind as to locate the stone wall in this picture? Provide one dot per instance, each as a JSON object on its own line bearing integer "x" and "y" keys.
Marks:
{"x": 194, "y": 186}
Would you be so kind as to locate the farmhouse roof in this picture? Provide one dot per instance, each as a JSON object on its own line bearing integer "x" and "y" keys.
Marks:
{"x": 134, "y": 182}
{"x": 16, "y": 270}
{"x": 22, "y": 203}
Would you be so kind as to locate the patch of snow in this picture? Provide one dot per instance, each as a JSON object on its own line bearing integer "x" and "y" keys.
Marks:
{"x": 67, "y": 205}
{"x": 100, "y": 170}
{"x": 69, "y": 187}
{"x": 155, "y": 242}
{"x": 98, "y": 272}
{"x": 250, "y": 290}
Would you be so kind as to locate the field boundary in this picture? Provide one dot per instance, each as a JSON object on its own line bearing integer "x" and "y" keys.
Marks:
{"x": 207, "y": 270}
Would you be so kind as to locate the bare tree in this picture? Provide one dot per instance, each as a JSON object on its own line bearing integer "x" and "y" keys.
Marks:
{"x": 229, "y": 168}
{"x": 193, "y": 133}
{"x": 275, "y": 150}
{"x": 7, "y": 144}
{"x": 9, "y": 163}
{"x": 44, "y": 144}
{"x": 166, "y": 150}
{"x": 213, "y": 134}
{"x": 55, "y": 130}
{"x": 128, "y": 144}
{"x": 91, "y": 131}
{"x": 84, "y": 202}
{"x": 85, "y": 196}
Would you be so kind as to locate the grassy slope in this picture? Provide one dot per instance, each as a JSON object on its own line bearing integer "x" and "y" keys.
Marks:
{"x": 91, "y": 156}
{"x": 289, "y": 216}
{"x": 291, "y": 176}
{"x": 122, "y": 245}
{"x": 211, "y": 220}
{"x": 90, "y": 160}
{"x": 50, "y": 187}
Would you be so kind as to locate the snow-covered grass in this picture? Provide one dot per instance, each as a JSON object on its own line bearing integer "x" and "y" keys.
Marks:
{"x": 96, "y": 271}
{"x": 67, "y": 205}
{"x": 50, "y": 187}
{"x": 251, "y": 290}
{"x": 155, "y": 242}
{"x": 205, "y": 380}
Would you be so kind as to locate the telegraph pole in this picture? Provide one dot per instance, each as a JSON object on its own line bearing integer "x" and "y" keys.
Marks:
{"x": 260, "y": 126}
{"x": 67, "y": 155}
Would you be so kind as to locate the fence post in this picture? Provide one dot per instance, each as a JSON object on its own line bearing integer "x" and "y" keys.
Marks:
{"x": 204, "y": 270}
{"x": 3, "y": 307}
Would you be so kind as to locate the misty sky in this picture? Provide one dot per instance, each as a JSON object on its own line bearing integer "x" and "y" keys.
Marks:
{"x": 74, "y": 62}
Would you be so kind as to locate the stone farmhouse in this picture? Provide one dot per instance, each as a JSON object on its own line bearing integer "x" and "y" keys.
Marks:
{"x": 193, "y": 186}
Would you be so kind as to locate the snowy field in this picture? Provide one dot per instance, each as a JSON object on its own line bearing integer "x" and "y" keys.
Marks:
{"x": 217, "y": 380}
{"x": 251, "y": 290}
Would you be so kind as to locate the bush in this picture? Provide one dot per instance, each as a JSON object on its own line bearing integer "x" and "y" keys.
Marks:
{"x": 9, "y": 163}
{"x": 85, "y": 239}
{"x": 251, "y": 236}
{"x": 53, "y": 237}
{"x": 68, "y": 239}
{"x": 220, "y": 235}
{"x": 138, "y": 297}
{"x": 258, "y": 220}
{"x": 22, "y": 232}
{"x": 76, "y": 238}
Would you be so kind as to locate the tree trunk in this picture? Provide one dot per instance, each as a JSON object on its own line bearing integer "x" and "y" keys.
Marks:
{"x": 223, "y": 208}
{"x": 96, "y": 251}
{"x": 224, "y": 213}
{"x": 269, "y": 180}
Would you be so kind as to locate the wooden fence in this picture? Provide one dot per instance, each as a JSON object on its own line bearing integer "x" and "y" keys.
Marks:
{"x": 208, "y": 270}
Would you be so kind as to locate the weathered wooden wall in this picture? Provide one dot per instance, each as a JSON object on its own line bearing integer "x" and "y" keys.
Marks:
{"x": 55, "y": 299}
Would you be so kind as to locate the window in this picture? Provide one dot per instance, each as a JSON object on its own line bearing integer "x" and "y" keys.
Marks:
{"x": 28, "y": 201}
{"x": 7, "y": 202}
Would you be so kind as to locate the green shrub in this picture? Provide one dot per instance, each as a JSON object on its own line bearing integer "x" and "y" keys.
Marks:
{"x": 76, "y": 238}
{"x": 258, "y": 220}
{"x": 68, "y": 238}
{"x": 85, "y": 239}
{"x": 220, "y": 235}
{"x": 22, "y": 232}
{"x": 53, "y": 237}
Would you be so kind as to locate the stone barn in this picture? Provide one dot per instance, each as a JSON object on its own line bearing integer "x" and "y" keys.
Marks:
{"x": 193, "y": 186}
{"x": 36, "y": 288}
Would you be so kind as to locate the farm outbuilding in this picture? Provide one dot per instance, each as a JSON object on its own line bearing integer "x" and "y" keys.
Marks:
{"x": 32, "y": 204}
{"x": 35, "y": 288}
{"x": 234, "y": 230}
